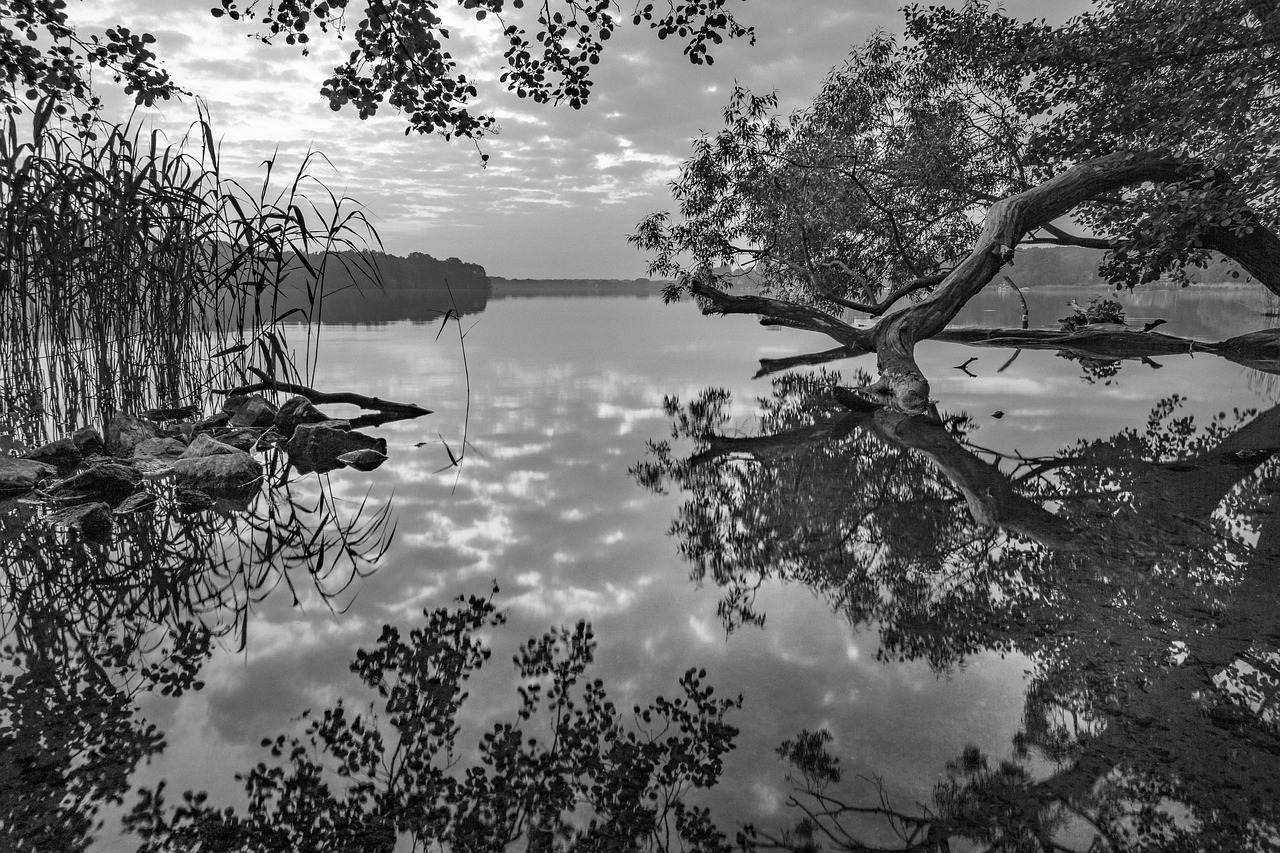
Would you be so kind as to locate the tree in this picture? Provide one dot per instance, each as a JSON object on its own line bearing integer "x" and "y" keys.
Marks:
{"x": 921, "y": 165}
{"x": 400, "y": 52}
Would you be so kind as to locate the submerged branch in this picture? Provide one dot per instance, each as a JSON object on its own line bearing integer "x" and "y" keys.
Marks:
{"x": 1257, "y": 350}
{"x": 407, "y": 410}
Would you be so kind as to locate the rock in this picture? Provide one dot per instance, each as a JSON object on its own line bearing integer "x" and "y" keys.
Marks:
{"x": 125, "y": 432}
{"x": 162, "y": 449}
{"x": 193, "y": 499}
{"x": 295, "y": 411}
{"x": 362, "y": 460}
{"x": 136, "y": 502}
{"x": 204, "y": 445}
{"x": 216, "y": 421}
{"x": 222, "y": 473}
{"x": 254, "y": 412}
{"x": 154, "y": 457}
{"x": 234, "y": 403}
{"x": 181, "y": 430}
{"x": 175, "y": 413}
{"x": 109, "y": 481}
{"x": 22, "y": 475}
{"x": 241, "y": 439}
{"x": 316, "y": 447}
{"x": 88, "y": 441}
{"x": 62, "y": 453}
{"x": 93, "y": 520}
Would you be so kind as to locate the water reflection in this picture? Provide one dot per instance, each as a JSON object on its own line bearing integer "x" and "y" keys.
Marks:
{"x": 566, "y": 773}
{"x": 1138, "y": 572}
{"x": 90, "y": 625}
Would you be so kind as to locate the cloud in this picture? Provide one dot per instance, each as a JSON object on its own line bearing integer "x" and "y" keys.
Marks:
{"x": 561, "y": 192}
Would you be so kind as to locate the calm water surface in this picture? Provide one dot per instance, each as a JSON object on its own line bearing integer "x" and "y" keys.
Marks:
{"x": 839, "y": 582}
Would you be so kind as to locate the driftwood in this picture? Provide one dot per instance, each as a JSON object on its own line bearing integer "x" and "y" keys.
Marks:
{"x": 893, "y": 338}
{"x": 390, "y": 408}
{"x": 1258, "y": 350}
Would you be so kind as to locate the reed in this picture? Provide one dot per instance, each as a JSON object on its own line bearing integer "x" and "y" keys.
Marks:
{"x": 134, "y": 273}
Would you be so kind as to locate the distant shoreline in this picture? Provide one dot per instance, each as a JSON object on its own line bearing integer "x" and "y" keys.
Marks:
{"x": 508, "y": 288}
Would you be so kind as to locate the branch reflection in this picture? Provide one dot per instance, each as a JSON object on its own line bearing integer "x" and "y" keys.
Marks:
{"x": 1139, "y": 573}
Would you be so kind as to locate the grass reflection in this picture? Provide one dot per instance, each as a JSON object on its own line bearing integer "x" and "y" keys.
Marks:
{"x": 90, "y": 625}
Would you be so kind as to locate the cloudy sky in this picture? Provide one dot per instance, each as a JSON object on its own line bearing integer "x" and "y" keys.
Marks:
{"x": 563, "y": 188}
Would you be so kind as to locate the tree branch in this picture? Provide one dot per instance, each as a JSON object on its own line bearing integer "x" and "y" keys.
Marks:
{"x": 779, "y": 313}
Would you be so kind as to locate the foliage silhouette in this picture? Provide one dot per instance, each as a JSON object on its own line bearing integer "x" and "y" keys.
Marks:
{"x": 359, "y": 782}
{"x": 1137, "y": 573}
{"x": 904, "y": 188}
{"x": 400, "y": 54}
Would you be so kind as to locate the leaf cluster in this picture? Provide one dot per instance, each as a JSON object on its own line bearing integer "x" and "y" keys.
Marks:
{"x": 870, "y": 190}
{"x": 42, "y": 55}
{"x": 359, "y": 782}
{"x": 402, "y": 57}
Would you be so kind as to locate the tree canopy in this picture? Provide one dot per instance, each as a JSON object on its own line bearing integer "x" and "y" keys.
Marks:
{"x": 400, "y": 51}
{"x": 923, "y": 161}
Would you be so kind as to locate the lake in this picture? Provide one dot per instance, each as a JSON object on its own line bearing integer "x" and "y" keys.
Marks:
{"x": 1048, "y": 615}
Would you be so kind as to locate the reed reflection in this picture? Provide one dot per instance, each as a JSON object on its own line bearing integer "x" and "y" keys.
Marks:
{"x": 90, "y": 624}
{"x": 1139, "y": 573}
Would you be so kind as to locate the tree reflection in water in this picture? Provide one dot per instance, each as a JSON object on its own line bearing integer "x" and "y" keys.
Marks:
{"x": 359, "y": 782}
{"x": 90, "y": 625}
{"x": 1141, "y": 574}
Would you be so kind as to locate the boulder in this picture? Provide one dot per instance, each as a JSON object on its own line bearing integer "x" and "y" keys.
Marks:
{"x": 295, "y": 411}
{"x": 172, "y": 413}
{"x": 93, "y": 520}
{"x": 163, "y": 449}
{"x": 22, "y": 475}
{"x": 88, "y": 441}
{"x": 241, "y": 439}
{"x": 220, "y": 474}
{"x": 316, "y": 447}
{"x": 136, "y": 502}
{"x": 194, "y": 499}
{"x": 111, "y": 482}
{"x": 125, "y": 432}
{"x": 155, "y": 456}
{"x": 204, "y": 445}
{"x": 62, "y": 453}
{"x": 182, "y": 430}
{"x": 215, "y": 421}
{"x": 233, "y": 403}
{"x": 362, "y": 460}
{"x": 254, "y": 412}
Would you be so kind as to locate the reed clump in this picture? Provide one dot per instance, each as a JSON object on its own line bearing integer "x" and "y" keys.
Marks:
{"x": 134, "y": 273}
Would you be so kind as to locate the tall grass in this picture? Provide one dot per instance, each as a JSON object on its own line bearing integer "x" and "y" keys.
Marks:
{"x": 134, "y": 274}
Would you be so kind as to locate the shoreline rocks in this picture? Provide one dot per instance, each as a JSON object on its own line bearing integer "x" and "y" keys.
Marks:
{"x": 88, "y": 478}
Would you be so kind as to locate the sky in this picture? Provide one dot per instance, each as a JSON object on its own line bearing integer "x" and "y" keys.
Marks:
{"x": 562, "y": 189}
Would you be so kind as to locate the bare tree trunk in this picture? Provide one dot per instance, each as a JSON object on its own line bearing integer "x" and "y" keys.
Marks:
{"x": 901, "y": 382}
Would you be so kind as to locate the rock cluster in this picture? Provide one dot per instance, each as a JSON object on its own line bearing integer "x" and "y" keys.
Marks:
{"x": 89, "y": 476}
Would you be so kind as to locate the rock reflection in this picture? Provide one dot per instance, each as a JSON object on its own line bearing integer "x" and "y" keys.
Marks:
{"x": 90, "y": 624}
{"x": 1140, "y": 573}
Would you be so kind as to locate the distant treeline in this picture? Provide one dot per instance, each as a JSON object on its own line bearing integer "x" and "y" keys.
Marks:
{"x": 1042, "y": 266}
{"x": 523, "y": 287}
{"x": 418, "y": 287}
